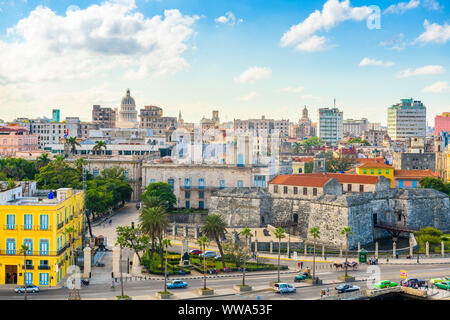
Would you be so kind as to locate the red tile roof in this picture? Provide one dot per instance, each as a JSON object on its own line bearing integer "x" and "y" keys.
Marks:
{"x": 375, "y": 165}
{"x": 370, "y": 160}
{"x": 347, "y": 178}
{"x": 303, "y": 159}
{"x": 300, "y": 180}
{"x": 414, "y": 174}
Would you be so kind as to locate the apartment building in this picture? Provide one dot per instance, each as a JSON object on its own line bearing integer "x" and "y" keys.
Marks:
{"x": 330, "y": 127}
{"x": 407, "y": 119}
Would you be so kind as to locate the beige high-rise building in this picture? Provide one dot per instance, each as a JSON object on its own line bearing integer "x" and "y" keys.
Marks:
{"x": 407, "y": 119}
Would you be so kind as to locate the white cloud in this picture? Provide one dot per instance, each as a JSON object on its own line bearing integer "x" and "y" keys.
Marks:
{"x": 397, "y": 43}
{"x": 85, "y": 43}
{"x": 434, "y": 33}
{"x": 253, "y": 74}
{"x": 426, "y": 70}
{"x": 372, "y": 62}
{"x": 432, "y": 5}
{"x": 311, "y": 97}
{"x": 228, "y": 18}
{"x": 333, "y": 13}
{"x": 249, "y": 96}
{"x": 312, "y": 44}
{"x": 293, "y": 89}
{"x": 438, "y": 87}
{"x": 402, "y": 7}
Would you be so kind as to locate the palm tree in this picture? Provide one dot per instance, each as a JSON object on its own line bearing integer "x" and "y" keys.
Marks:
{"x": 215, "y": 227}
{"x": 346, "y": 231}
{"x": 202, "y": 242}
{"x": 73, "y": 143}
{"x": 149, "y": 201}
{"x": 154, "y": 222}
{"x": 316, "y": 235}
{"x": 297, "y": 148}
{"x": 42, "y": 161}
{"x": 120, "y": 241}
{"x": 23, "y": 250}
{"x": 246, "y": 232}
{"x": 99, "y": 145}
{"x": 279, "y": 234}
{"x": 79, "y": 165}
{"x": 166, "y": 243}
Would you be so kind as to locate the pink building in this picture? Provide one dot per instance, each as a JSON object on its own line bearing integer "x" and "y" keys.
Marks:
{"x": 442, "y": 123}
{"x": 14, "y": 139}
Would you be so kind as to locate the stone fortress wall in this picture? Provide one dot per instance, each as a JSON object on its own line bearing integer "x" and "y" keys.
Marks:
{"x": 411, "y": 208}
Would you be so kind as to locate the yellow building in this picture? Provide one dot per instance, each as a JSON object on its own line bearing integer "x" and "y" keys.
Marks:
{"x": 39, "y": 222}
{"x": 377, "y": 169}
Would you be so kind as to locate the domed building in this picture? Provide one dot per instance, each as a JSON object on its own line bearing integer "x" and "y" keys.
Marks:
{"x": 127, "y": 113}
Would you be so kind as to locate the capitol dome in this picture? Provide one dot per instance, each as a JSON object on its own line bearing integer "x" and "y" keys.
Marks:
{"x": 128, "y": 100}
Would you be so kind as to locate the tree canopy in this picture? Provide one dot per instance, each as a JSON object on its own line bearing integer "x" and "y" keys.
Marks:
{"x": 163, "y": 191}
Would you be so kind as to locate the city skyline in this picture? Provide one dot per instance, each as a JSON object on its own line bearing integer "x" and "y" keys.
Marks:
{"x": 182, "y": 56}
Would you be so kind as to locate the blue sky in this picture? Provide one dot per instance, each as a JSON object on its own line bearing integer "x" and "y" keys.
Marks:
{"x": 238, "y": 57}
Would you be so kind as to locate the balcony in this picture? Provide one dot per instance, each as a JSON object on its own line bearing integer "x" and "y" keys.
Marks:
{"x": 29, "y": 267}
{"x": 29, "y": 253}
{"x": 200, "y": 188}
{"x": 35, "y": 228}
{"x": 60, "y": 225}
{"x": 42, "y": 267}
{"x": 61, "y": 250}
{"x": 10, "y": 227}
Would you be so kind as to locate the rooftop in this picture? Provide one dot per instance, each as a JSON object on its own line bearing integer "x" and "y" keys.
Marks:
{"x": 347, "y": 178}
{"x": 375, "y": 165}
{"x": 301, "y": 180}
{"x": 415, "y": 174}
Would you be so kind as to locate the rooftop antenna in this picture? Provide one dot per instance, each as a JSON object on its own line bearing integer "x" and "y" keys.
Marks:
{"x": 335, "y": 102}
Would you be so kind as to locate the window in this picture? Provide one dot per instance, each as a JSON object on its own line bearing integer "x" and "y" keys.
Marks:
{"x": 371, "y": 171}
{"x": 43, "y": 279}
{"x": 399, "y": 217}
{"x": 364, "y": 171}
{"x": 379, "y": 171}
{"x": 29, "y": 244}
{"x": 201, "y": 183}
{"x": 125, "y": 174}
{"x": 43, "y": 247}
{"x": 95, "y": 173}
{"x": 305, "y": 191}
{"x": 187, "y": 183}
{"x": 10, "y": 246}
{"x": 201, "y": 205}
{"x": 28, "y": 221}
{"x": 29, "y": 278}
{"x": 187, "y": 194}
{"x": 285, "y": 190}
{"x": 295, "y": 190}
{"x": 361, "y": 188}
{"x": 10, "y": 221}
{"x": 315, "y": 192}
{"x": 349, "y": 187}
{"x": 222, "y": 184}
{"x": 188, "y": 204}
{"x": 240, "y": 183}
{"x": 387, "y": 171}
{"x": 201, "y": 194}
{"x": 275, "y": 189}
{"x": 171, "y": 182}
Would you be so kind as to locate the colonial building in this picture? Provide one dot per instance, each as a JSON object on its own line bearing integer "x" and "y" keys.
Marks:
{"x": 16, "y": 139}
{"x": 103, "y": 117}
{"x": 152, "y": 118}
{"x": 127, "y": 113}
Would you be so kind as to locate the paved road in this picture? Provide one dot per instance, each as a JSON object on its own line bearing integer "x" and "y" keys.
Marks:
{"x": 144, "y": 287}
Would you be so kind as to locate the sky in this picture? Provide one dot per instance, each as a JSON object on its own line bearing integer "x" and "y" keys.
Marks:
{"x": 245, "y": 58}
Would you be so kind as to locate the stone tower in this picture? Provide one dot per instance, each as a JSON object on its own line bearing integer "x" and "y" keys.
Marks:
{"x": 319, "y": 163}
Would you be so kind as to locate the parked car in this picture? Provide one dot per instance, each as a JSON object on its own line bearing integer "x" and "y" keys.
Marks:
{"x": 443, "y": 285}
{"x": 346, "y": 287}
{"x": 436, "y": 280}
{"x": 209, "y": 254}
{"x": 385, "y": 284}
{"x": 177, "y": 284}
{"x": 195, "y": 252}
{"x": 218, "y": 257}
{"x": 302, "y": 276}
{"x": 284, "y": 288}
{"x": 413, "y": 282}
{"x": 30, "y": 288}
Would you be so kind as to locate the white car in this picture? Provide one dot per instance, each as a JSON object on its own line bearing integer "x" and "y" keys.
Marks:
{"x": 284, "y": 288}
{"x": 209, "y": 254}
{"x": 30, "y": 288}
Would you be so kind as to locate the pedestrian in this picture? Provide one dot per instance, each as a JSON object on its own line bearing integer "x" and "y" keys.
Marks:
{"x": 112, "y": 284}
{"x": 301, "y": 265}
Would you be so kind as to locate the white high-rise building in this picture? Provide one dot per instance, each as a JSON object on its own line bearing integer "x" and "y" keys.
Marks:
{"x": 407, "y": 119}
{"x": 331, "y": 125}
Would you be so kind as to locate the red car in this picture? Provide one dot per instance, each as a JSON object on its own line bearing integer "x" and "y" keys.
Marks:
{"x": 195, "y": 252}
